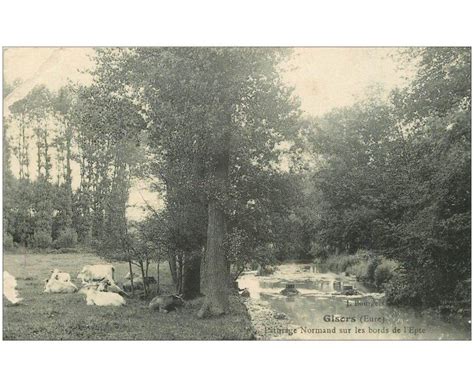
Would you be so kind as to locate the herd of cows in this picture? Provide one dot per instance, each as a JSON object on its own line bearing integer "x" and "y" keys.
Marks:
{"x": 98, "y": 286}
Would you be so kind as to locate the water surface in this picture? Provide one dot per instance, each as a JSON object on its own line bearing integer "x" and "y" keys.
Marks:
{"x": 322, "y": 310}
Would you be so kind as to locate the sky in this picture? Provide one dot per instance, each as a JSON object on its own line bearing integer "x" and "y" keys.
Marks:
{"x": 323, "y": 79}
{"x": 327, "y": 78}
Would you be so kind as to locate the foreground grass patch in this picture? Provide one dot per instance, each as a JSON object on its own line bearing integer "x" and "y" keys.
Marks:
{"x": 67, "y": 317}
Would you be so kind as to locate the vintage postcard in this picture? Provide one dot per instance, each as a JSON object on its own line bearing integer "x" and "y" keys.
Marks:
{"x": 236, "y": 193}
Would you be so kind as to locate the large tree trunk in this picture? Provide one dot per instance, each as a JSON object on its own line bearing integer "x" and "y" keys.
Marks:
{"x": 192, "y": 276}
{"x": 179, "y": 286}
{"x": 173, "y": 270}
{"x": 145, "y": 283}
{"x": 69, "y": 199}
{"x": 217, "y": 271}
{"x": 131, "y": 277}
{"x": 157, "y": 276}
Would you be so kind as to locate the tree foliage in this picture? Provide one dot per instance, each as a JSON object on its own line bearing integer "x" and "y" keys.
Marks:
{"x": 244, "y": 179}
{"x": 395, "y": 177}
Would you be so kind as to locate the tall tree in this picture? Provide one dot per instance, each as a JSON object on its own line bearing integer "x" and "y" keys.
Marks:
{"x": 435, "y": 243}
{"x": 107, "y": 127}
{"x": 395, "y": 177}
{"x": 210, "y": 112}
{"x": 34, "y": 113}
{"x": 62, "y": 103}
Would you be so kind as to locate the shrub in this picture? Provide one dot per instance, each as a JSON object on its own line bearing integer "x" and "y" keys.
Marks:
{"x": 345, "y": 262}
{"x": 340, "y": 263}
{"x": 359, "y": 270}
{"x": 318, "y": 251}
{"x": 460, "y": 301}
{"x": 399, "y": 291}
{"x": 67, "y": 239}
{"x": 369, "y": 268}
{"x": 372, "y": 265}
{"x": 41, "y": 239}
{"x": 8, "y": 242}
{"x": 384, "y": 272}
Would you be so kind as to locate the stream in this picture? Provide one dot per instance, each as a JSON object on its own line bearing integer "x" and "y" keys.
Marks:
{"x": 334, "y": 307}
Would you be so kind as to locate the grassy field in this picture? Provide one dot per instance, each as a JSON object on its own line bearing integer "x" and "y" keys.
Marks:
{"x": 43, "y": 316}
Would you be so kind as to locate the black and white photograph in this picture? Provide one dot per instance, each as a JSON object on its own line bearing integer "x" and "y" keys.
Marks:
{"x": 236, "y": 193}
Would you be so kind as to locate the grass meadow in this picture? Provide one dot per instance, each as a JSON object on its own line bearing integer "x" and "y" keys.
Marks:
{"x": 42, "y": 316}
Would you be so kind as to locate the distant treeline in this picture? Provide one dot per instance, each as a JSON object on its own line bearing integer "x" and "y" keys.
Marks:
{"x": 55, "y": 130}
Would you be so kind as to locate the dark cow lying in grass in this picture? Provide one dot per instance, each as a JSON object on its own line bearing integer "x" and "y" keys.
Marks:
{"x": 138, "y": 283}
{"x": 166, "y": 303}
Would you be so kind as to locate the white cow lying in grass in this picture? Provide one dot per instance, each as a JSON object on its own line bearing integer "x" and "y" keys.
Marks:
{"x": 111, "y": 287}
{"x": 59, "y": 282}
{"x": 95, "y": 295}
{"x": 100, "y": 273}
{"x": 96, "y": 273}
{"x": 9, "y": 288}
{"x": 60, "y": 276}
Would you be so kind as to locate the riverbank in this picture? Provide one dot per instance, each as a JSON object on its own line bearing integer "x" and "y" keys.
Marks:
{"x": 268, "y": 324}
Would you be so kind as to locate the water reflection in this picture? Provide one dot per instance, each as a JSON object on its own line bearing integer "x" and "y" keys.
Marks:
{"x": 328, "y": 301}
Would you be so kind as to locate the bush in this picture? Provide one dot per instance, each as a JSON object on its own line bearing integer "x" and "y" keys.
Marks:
{"x": 372, "y": 265}
{"x": 340, "y": 263}
{"x": 369, "y": 268}
{"x": 41, "y": 239}
{"x": 318, "y": 251}
{"x": 460, "y": 302}
{"x": 384, "y": 273}
{"x": 67, "y": 239}
{"x": 8, "y": 243}
{"x": 345, "y": 262}
{"x": 359, "y": 270}
{"x": 399, "y": 291}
